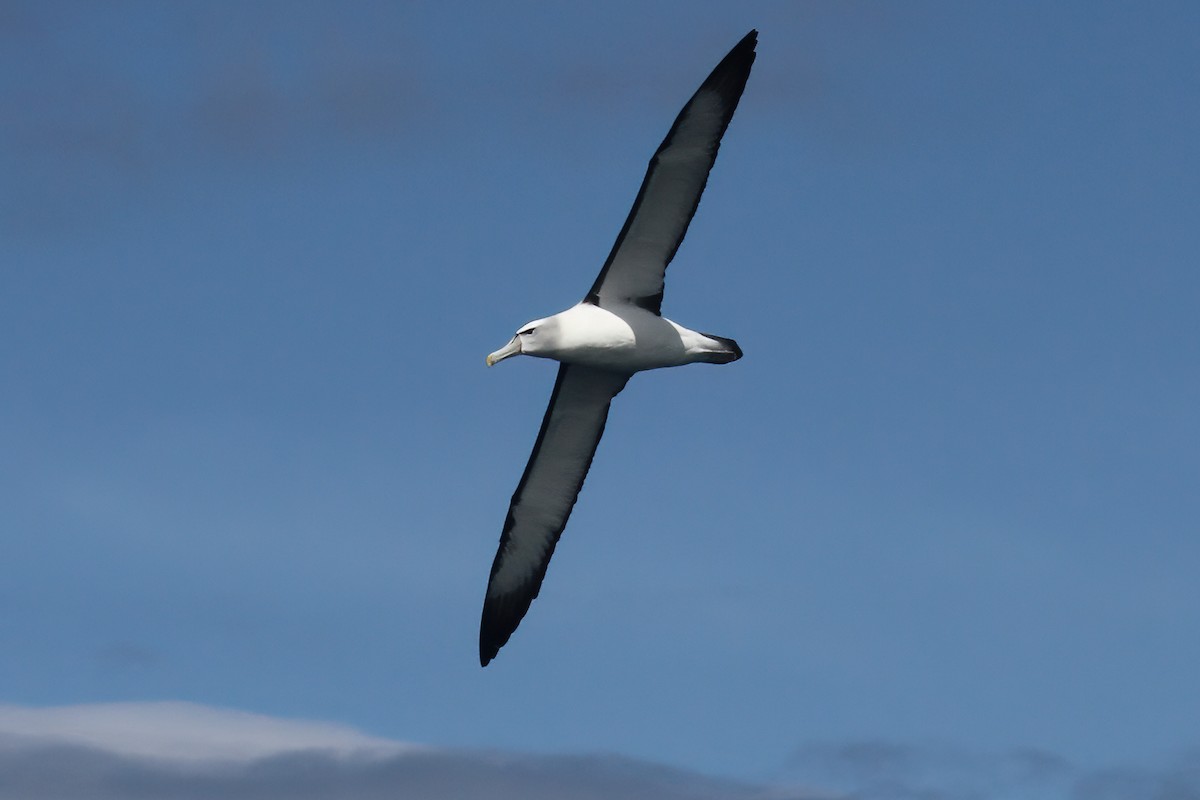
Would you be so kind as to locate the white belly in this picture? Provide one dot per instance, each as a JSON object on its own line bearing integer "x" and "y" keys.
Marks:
{"x": 628, "y": 341}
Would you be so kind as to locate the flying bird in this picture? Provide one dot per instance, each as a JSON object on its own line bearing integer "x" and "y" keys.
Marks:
{"x": 615, "y": 331}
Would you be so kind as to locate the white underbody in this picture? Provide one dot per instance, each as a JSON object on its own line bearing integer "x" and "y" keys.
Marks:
{"x": 629, "y": 339}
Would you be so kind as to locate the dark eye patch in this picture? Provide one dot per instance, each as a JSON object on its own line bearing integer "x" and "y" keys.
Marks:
{"x": 527, "y": 330}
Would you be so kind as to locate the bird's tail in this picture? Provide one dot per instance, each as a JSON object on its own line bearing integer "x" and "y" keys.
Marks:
{"x": 723, "y": 350}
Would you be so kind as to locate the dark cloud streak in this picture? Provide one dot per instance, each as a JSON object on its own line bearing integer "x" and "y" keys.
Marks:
{"x": 168, "y": 96}
{"x": 75, "y": 773}
{"x": 885, "y": 770}
{"x": 863, "y": 770}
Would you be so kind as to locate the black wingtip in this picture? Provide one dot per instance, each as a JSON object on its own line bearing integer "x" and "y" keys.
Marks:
{"x": 501, "y": 616}
{"x": 742, "y": 51}
{"x": 487, "y": 651}
{"x": 729, "y": 77}
{"x": 493, "y": 634}
{"x": 746, "y": 44}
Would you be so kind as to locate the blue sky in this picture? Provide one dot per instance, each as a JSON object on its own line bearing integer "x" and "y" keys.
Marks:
{"x": 252, "y": 257}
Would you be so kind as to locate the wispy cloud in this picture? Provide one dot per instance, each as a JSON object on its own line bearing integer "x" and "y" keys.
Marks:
{"x": 182, "y": 750}
{"x": 185, "y": 750}
{"x": 885, "y": 770}
{"x": 181, "y": 732}
{"x": 173, "y": 93}
{"x": 1177, "y": 780}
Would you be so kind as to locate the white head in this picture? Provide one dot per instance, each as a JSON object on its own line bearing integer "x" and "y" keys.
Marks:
{"x": 536, "y": 338}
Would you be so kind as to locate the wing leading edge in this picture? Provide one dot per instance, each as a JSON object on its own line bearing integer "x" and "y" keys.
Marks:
{"x": 670, "y": 192}
{"x": 566, "y": 443}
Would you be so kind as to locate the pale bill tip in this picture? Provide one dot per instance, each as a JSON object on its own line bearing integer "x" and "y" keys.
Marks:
{"x": 513, "y": 348}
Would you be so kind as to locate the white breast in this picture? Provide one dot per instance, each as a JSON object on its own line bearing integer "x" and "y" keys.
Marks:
{"x": 630, "y": 339}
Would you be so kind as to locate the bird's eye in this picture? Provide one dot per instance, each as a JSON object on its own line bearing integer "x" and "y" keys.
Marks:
{"x": 527, "y": 330}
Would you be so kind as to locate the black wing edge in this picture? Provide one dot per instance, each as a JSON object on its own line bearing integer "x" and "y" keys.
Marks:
{"x": 502, "y": 615}
{"x": 729, "y": 79}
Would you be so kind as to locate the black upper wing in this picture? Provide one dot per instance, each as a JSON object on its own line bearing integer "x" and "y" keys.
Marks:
{"x": 544, "y": 498}
{"x": 671, "y": 190}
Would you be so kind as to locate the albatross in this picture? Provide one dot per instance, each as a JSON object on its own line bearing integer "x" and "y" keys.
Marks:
{"x": 615, "y": 331}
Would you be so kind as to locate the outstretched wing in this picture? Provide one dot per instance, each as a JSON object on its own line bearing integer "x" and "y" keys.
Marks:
{"x": 540, "y": 507}
{"x": 671, "y": 190}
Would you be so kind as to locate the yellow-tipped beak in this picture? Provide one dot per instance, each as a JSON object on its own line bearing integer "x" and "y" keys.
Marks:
{"x": 513, "y": 348}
